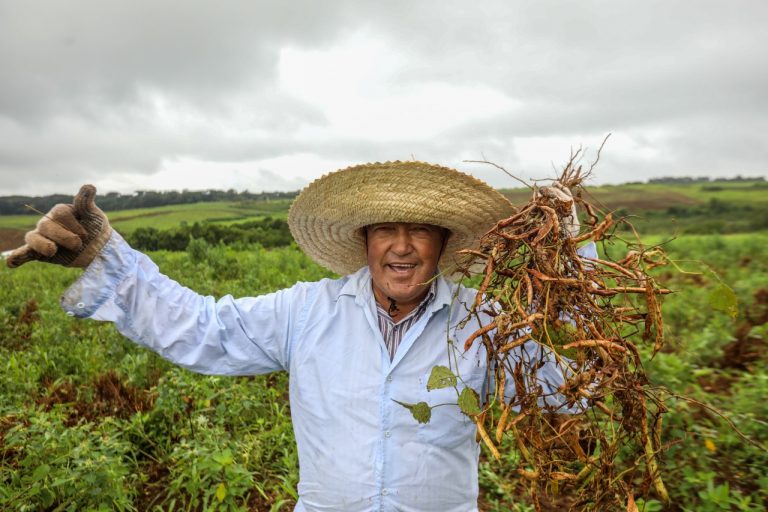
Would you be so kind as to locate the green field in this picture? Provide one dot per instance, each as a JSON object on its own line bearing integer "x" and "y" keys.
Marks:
{"x": 164, "y": 217}
{"x": 90, "y": 421}
{"x": 13, "y": 227}
{"x": 665, "y": 209}
{"x": 656, "y": 196}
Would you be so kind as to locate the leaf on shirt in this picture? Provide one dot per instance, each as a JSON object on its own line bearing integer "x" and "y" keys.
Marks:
{"x": 561, "y": 333}
{"x": 421, "y": 411}
{"x": 441, "y": 377}
{"x": 469, "y": 402}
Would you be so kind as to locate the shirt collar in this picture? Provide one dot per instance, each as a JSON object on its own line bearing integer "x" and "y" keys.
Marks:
{"x": 418, "y": 311}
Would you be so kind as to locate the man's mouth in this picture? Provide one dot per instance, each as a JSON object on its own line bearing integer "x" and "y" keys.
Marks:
{"x": 402, "y": 267}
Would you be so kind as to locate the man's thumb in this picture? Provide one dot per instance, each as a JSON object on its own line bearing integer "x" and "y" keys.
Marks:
{"x": 21, "y": 256}
{"x": 85, "y": 201}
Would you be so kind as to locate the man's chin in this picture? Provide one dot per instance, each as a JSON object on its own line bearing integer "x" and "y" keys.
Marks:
{"x": 406, "y": 293}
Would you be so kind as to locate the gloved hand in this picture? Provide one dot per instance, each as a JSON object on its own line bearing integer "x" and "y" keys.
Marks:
{"x": 70, "y": 234}
{"x": 560, "y": 194}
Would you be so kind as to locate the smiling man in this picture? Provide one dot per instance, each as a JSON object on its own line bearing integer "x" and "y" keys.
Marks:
{"x": 354, "y": 347}
{"x": 402, "y": 259}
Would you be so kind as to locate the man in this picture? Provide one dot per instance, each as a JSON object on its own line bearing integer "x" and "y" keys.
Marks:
{"x": 354, "y": 346}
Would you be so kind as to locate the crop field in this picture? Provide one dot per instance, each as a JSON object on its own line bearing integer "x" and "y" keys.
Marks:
{"x": 13, "y": 227}
{"x": 661, "y": 196}
{"x": 90, "y": 421}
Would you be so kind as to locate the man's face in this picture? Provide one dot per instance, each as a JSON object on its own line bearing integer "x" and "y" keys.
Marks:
{"x": 402, "y": 258}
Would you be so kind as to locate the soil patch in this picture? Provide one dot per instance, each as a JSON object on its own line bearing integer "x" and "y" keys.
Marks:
{"x": 106, "y": 395}
{"x": 747, "y": 350}
{"x": 11, "y": 238}
{"x": 154, "y": 488}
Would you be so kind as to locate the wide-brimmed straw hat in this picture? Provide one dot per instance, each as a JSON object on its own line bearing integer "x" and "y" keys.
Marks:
{"x": 328, "y": 216}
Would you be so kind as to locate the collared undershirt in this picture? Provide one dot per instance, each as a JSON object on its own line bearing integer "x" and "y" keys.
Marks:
{"x": 393, "y": 332}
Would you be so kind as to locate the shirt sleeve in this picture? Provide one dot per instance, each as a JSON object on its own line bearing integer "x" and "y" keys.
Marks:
{"x": 541, "y": 371}
{"x": 219, "y": 337}
{"x": 536, "y": 360}
{"x": 588, "y": 250}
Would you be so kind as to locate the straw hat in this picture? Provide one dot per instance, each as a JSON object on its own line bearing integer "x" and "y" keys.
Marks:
{"x": 327, "y": 217}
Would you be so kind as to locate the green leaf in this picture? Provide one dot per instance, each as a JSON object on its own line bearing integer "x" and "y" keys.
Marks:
{"x": 441, "y": 377}
{"x": 421, "y": 411}
{"x": 723, "y": 299}
{"x": 469, "y": 402}
{"x": 224, "y": 457}
{"x": 41, "y": 472}
{"x": 221, "y": 492}
{"x": 562, "y": 334}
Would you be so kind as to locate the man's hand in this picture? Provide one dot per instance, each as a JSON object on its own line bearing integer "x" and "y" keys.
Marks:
{"x": 559, "y": 193}
{"x": 70, "y": 234}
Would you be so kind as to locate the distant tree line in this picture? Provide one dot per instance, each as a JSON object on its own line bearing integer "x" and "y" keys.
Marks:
{"x": 703, "y": 179}
{"x": 113, "y": 201}
{"x": 267, "y": 232}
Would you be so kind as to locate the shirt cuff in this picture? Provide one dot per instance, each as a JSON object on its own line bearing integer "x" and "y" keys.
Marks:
{"x": 99, "y": 281}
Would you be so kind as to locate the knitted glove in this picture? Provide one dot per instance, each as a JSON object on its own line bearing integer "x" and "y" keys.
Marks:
{"x": 70, "y": 234}
{"x": 561, "y": 195}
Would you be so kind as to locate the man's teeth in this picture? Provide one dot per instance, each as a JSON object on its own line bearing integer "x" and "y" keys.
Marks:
{"x": 401, "y": 266}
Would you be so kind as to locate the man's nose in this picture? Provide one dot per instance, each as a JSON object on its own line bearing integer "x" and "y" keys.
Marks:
{"x": 402, "y": 241}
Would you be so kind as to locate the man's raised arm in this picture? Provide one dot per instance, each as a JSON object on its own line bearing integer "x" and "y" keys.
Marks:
{"x": 121, "y": 285}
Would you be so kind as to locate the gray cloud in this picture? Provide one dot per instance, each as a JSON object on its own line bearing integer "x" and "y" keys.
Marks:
{"x": 93, "y": 89}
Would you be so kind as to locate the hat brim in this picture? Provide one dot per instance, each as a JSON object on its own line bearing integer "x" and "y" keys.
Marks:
{"x": 327, "y": 217}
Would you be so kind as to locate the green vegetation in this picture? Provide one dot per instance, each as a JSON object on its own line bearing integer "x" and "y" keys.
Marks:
{"x": 165, "y": 217}
{"x": 267, "y": 232}
{"x": 90, "y": 421}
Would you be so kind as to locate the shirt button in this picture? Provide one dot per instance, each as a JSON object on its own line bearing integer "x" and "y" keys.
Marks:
{"x": 389, "y": 378}
{"x": 387, "y": 434}
{"x": 80, "y": 305}
{"x": 384, "y": 492}
{"x": 70, "y": 313}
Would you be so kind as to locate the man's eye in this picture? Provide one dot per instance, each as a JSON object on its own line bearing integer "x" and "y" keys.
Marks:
{"x": 382, "y": 228}
{"x": 421, "y": 230}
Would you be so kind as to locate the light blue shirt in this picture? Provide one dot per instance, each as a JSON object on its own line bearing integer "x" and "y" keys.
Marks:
{"x": 358, "y": 449}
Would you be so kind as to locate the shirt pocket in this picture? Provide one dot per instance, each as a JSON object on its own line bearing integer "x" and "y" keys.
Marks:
{"x": 448, "y": 427}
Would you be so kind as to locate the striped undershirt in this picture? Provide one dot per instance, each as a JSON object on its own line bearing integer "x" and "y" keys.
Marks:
{"x": 393, "y": 332}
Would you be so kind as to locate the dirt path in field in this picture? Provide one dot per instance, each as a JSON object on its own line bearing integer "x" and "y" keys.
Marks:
{"x": 630, "y": 200}
{"x": 117, "y": 218}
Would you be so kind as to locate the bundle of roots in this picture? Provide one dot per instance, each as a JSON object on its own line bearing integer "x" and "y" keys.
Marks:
{"x": 601, "y": 437}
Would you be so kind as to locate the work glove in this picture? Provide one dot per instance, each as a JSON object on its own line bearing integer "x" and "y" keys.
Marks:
{"x": 562, "y": 198}
{"x": 70, "y": 234}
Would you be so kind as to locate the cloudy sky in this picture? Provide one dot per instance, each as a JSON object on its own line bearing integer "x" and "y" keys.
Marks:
{"x": 269, "y": 95}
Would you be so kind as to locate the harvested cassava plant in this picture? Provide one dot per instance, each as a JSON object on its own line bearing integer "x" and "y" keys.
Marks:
{"x": 599, "y": 432}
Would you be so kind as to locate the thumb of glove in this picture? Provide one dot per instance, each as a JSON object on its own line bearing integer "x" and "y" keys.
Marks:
{"x": 51, "y": 241}
{"x": 561, "y": 197}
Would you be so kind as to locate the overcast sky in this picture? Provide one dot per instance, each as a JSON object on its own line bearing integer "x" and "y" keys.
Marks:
{"x": 269, "y": 95}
